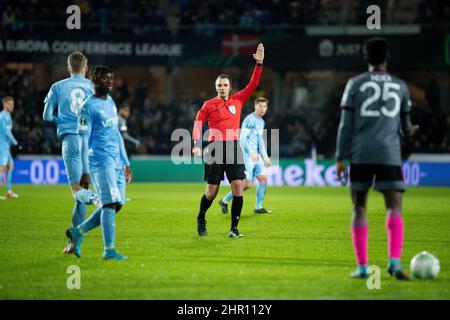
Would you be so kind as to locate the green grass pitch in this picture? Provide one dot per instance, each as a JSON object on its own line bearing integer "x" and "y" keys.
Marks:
{"x": 301, "y": 251}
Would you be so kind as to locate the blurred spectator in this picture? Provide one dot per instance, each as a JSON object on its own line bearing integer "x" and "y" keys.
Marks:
{"x": 8, "y": 17}
{"x": 209, "y": 16}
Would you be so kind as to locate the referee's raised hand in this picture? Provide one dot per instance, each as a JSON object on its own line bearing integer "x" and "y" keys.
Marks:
{"x": 259, "y": 55}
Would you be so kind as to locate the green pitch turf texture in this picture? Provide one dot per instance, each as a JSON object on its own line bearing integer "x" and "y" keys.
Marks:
{"x": 301, "y": 251}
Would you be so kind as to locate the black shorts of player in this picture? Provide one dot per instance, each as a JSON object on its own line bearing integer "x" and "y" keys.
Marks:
{"x": 223, "y": 157}
{"x": 381, "y": 177}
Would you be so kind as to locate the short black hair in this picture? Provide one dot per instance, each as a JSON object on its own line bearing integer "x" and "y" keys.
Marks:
{"x": 376, "y": 51}
{"x": 97, "y": 71}
{"x": 224, "y": 76}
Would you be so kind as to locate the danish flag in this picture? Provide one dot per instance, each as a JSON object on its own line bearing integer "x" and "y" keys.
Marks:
{"x": 239, "y": 44}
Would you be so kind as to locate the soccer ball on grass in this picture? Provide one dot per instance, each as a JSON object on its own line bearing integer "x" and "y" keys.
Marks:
{"x": 425, "y": 266}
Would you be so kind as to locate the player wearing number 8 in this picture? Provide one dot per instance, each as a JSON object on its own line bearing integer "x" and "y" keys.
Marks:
{"x": 66, "y": 96}
{"x": 375, "y": 111}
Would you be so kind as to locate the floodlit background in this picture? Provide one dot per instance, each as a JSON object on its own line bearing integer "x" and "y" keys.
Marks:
{"x": 166, "y": 56}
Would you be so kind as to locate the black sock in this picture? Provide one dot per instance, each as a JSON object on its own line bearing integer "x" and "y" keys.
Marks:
{"x": 204, "y": 206}
{"x": 236, "y": 209}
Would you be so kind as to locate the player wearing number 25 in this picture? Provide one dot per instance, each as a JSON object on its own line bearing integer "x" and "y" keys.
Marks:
{"x": 67, "y": 96}
{"x": 375, "y": 113}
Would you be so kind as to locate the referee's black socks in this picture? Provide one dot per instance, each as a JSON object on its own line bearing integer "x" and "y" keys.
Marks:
{"x": 236, "y": 209}
{"x": 204, "y": 206}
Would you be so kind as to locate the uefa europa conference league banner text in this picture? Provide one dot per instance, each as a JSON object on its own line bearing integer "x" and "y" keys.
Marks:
{"x": 285, "y": 173}
{"x": 325, "y": 51}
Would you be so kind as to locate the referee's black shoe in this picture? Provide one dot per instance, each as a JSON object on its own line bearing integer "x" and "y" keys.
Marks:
{"x": 262, "y": 210}
{"x": 223, "y": 206}
{"x": 234, "y": 233}
{"x": 201, "y": 227}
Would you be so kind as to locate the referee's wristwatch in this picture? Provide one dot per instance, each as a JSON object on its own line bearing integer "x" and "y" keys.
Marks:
{"x": 196, "y": 143}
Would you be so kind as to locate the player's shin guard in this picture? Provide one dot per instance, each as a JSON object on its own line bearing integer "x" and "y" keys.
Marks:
{"x": 359, "y": 237}
{"x": 8, "y": 182}
{"x": 92, "y": 222}
{"x": 78, "y": 213}
{"x": 84, "y": 196}
{"x": 108, "y": 227}
{"x": 260, "y": 194}
{"x": 236, "y": 209}
{"x": 204, "y": 206}
{"x": 394, "y": 227}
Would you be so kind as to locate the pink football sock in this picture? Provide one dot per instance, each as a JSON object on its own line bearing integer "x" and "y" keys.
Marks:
{"x": 394, "y": 227}
{"x": 359, "y": 236}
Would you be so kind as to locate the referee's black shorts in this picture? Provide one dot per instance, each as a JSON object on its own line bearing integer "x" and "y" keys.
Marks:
{"x": 223, "y": 157}
{"x": 381, "y": 177}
